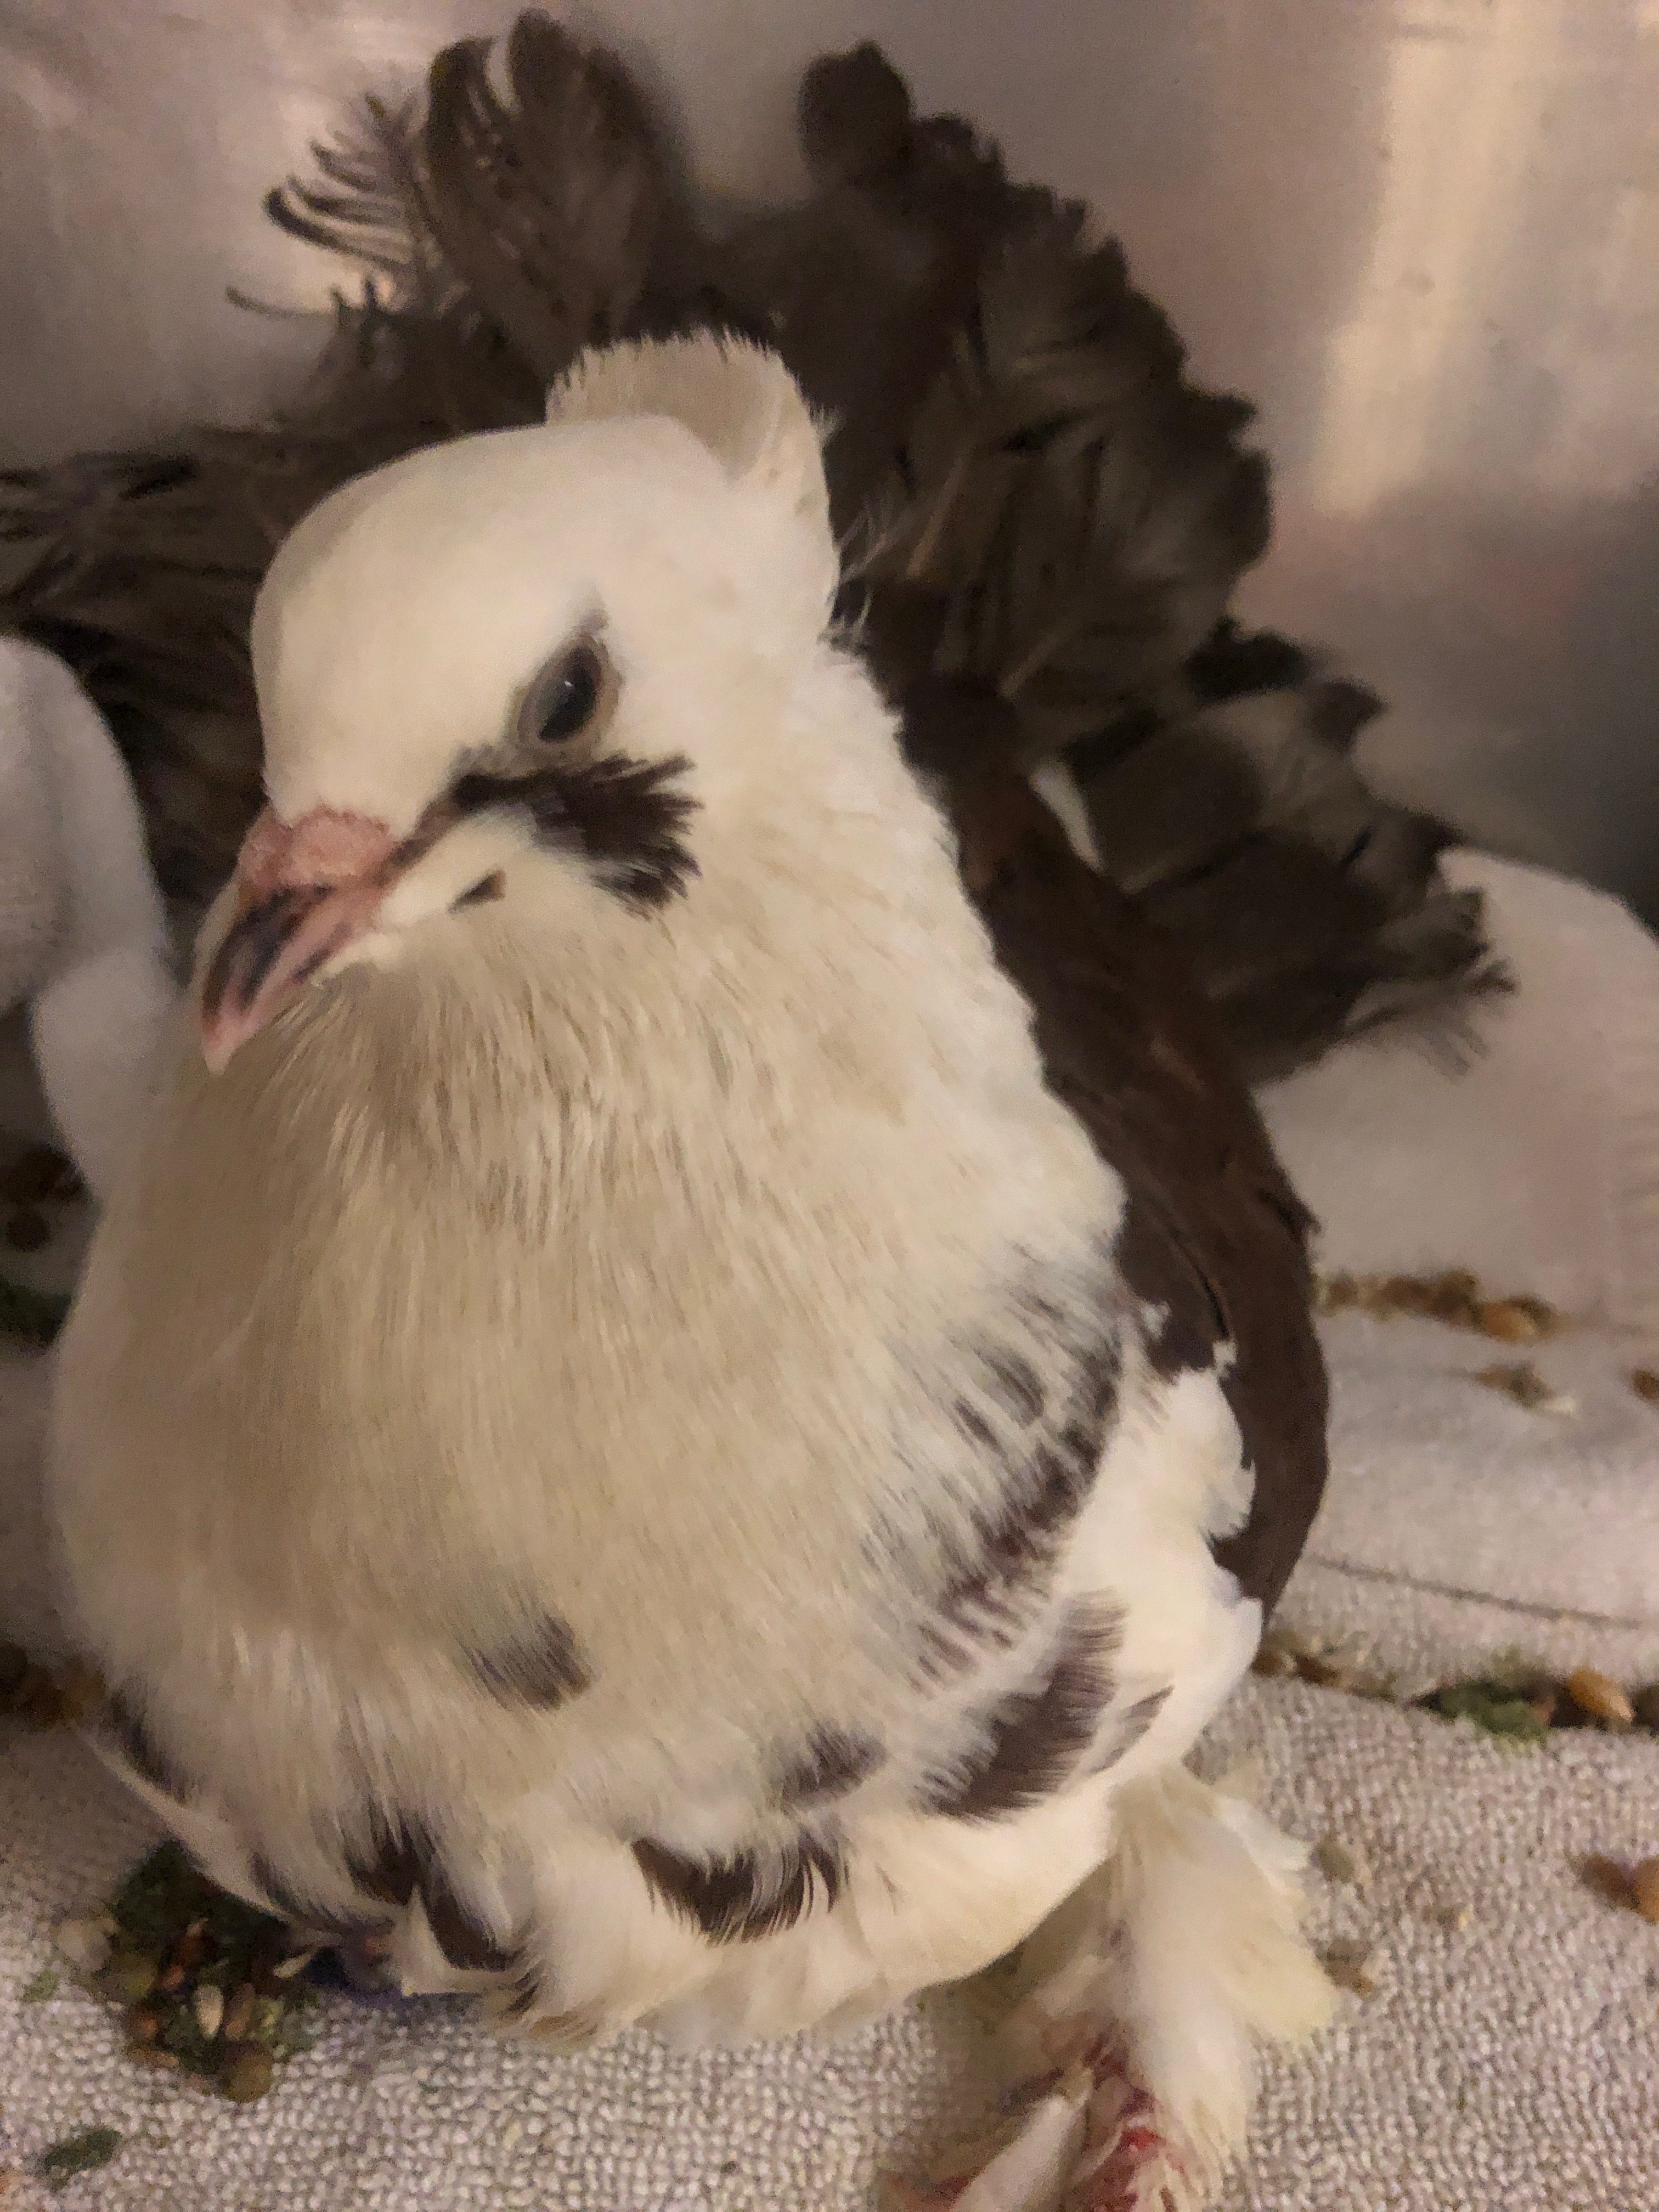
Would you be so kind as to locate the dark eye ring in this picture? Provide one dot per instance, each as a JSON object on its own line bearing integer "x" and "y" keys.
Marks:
{"x": 564, "y": 698}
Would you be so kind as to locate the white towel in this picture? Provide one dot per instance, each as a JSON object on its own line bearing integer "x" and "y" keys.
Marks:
{"x": 83, "y": 932}
{"x": 1536, "y": 1162}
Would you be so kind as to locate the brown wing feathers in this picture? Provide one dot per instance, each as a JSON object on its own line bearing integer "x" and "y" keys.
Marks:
{"x": 1214, "y": 1236}
{"x": 1051, "y": 516}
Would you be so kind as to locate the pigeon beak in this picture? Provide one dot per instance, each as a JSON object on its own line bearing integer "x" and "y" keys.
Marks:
{"x": 305, "y": 890}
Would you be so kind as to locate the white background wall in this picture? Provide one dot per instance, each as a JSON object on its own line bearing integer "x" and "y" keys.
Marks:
{"x": 1423, "y": 234}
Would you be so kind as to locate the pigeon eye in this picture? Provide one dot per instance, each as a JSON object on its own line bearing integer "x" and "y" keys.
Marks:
{"x": 561, "y": 702}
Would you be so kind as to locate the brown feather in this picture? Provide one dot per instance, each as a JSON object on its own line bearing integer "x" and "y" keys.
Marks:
{"x": 1081, "y": 512}
{"x": 1308, "y": 909}
{"x": 1052, "y": 518}
{"x": 548, "y": 204}
{"x": 370, "y": 204}
{"x": 1214, "y": 1235}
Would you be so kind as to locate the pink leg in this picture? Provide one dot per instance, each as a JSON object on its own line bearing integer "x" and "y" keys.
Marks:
{"x": 1130, "y": 2161}
{"x": 1088, "y": 2138}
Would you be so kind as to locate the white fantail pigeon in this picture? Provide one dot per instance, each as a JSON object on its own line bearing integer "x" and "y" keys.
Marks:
{"x": 703, "y": 1379}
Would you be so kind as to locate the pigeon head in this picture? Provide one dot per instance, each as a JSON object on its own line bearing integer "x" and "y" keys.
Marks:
{"x": 525, "y": 669}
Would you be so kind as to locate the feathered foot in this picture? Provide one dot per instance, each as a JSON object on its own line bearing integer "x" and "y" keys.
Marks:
{"x": 1131, "y": 2050}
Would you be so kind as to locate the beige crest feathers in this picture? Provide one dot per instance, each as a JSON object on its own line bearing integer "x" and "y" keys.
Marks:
{"x": 738, "y": 400}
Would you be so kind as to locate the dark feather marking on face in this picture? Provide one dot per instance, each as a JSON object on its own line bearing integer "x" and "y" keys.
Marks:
{"x": 1214, "y": 1238}
{"x": 544, "y": 1667}
{"x": 625, "y": 815}
{"x": 401, "y": 1863}
{"x": 136, "y": 1743}
{"x": 832, "y": 1764}
{"x": 1033, "y": 1739}
{"x": 743, "y": 1898}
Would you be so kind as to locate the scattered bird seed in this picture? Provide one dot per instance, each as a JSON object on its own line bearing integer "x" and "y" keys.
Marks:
{"x": 249, "y": 2074}
{"x": 1284, "y": 1651}
{"x": 129, "y": 1977}
{"x": 1634, "y": 1888}
{"x": 1516, "y": 1321}
{"x": 83, "y": 2153}
{"x": 1349, "y": 1966}
{"x": 1494, "y": 1706}
{"x": 1287, "y": 1653}
{"x": 43, "y": 1985}
{"x": 1599, "y": 1695}
{"x": 1606, "y": 1878}
{"x": 1526, "y": 1386}
{"x": 1341, "y": 1861}
{"x": 180, "y": 1944}
{"x": 84, "y": 1944}
{"x": 1454, "y": 1296}
{"x": 1454, "y": 1918}
{"x": 160, "y": 2061}
{"x": 295, "y": 1963}
{"x": 1515, "y": 1700}
{"x": 1300, "y": 1643}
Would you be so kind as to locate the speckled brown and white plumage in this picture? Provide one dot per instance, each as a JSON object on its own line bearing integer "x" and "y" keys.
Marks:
{"x": 639, "y": 1434}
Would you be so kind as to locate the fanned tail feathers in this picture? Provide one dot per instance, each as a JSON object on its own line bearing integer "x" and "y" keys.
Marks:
{"x": 1049, "y": 518}
{"x": 1081, "y": 513}
{"x": 1308, "y": 908}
